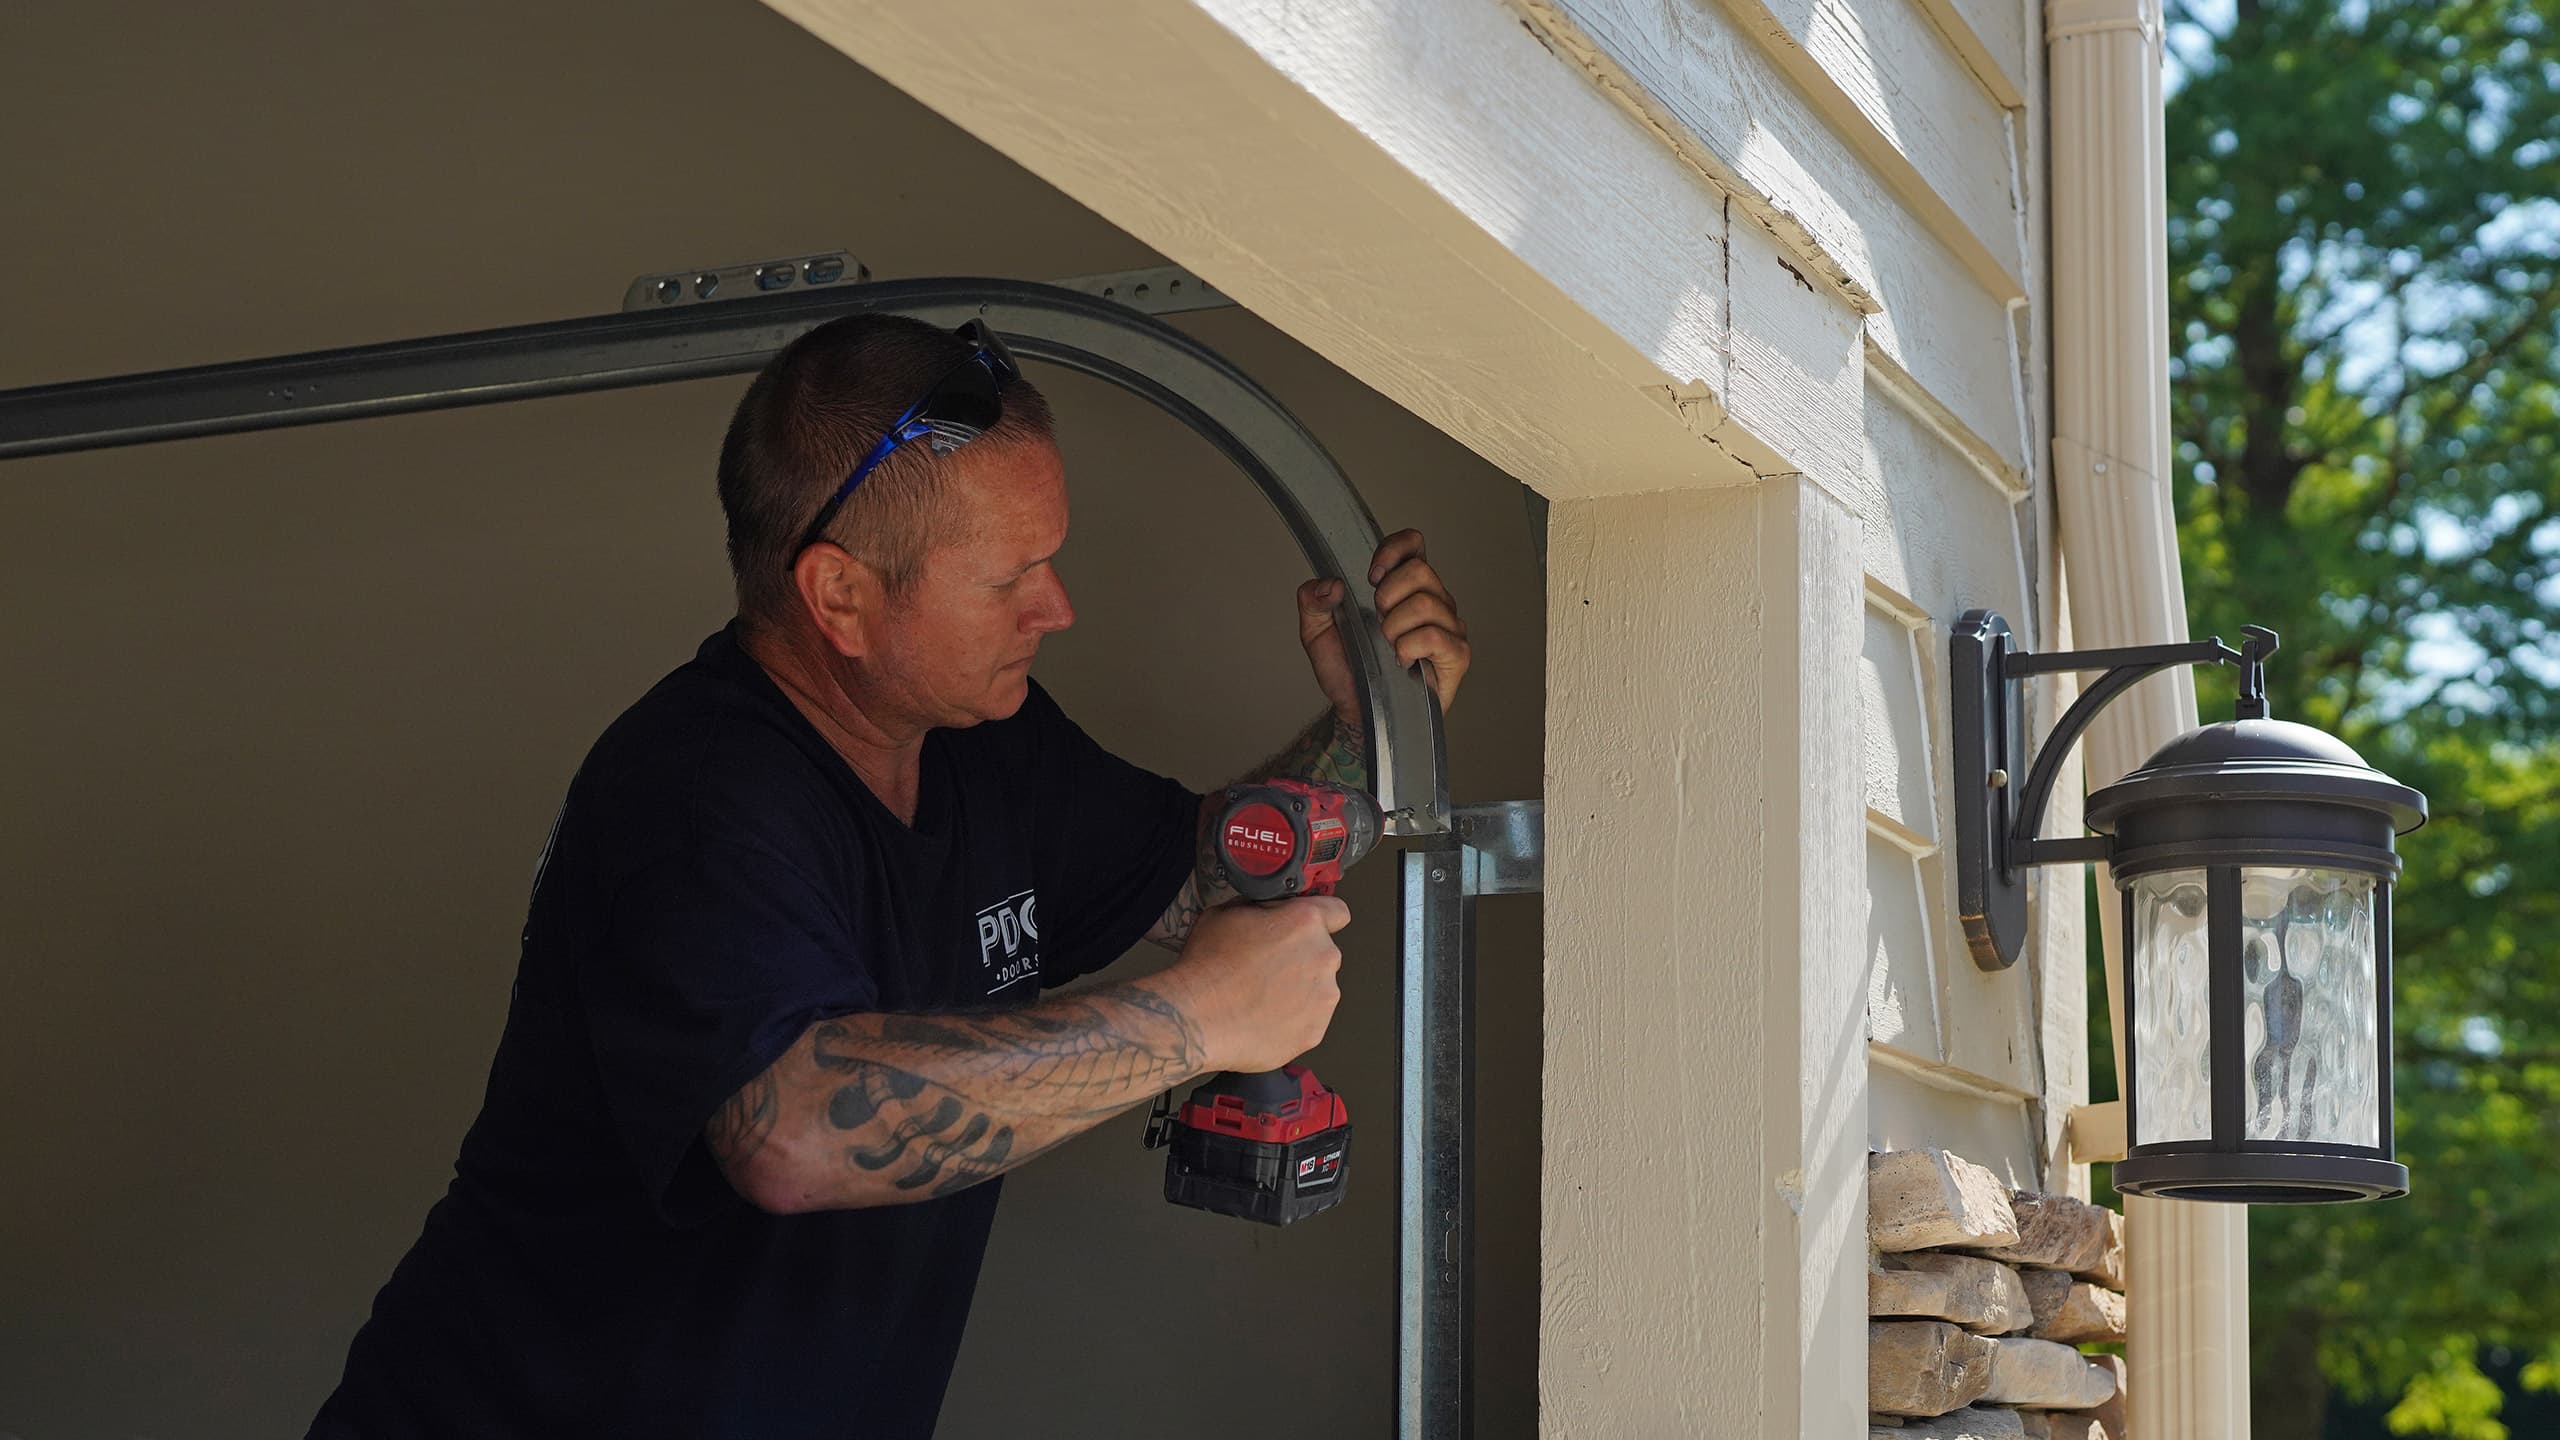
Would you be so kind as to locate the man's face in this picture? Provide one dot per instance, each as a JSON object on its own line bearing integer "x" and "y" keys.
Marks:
{"x": 957, "y": 648}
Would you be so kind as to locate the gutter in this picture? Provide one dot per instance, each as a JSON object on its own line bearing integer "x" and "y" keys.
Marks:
{"x": 2187, "y": 1283}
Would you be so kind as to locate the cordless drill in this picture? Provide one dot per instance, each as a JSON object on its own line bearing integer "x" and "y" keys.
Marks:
{"x": 1272, "y": 1146}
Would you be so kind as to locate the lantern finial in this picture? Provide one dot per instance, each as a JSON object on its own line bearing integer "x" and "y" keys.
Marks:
{"x": 2261, "y": 643}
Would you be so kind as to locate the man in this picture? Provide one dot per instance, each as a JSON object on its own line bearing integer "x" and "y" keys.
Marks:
{"x": 776, "y": 1027}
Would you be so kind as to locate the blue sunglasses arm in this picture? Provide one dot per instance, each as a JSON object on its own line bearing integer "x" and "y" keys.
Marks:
{"x": 911, "y": 425}
{"x": 908, "y": 428}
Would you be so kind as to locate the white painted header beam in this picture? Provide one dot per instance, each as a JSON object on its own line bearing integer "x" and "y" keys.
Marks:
{"x": 1425, "y": 194}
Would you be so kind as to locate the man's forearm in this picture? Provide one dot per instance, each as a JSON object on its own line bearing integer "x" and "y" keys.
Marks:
{"x": 884, "y": 1109}
{"x": 1331, "y": 750}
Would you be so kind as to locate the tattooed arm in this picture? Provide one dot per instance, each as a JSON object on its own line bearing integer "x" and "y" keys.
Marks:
{"x": 1332, "y": 749}
{"x": 883, "y": 1109}
{"x": 887, "y": 1109}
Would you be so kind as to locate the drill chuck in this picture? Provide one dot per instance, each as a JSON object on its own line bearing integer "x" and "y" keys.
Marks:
{"x": 1280, "y": 838}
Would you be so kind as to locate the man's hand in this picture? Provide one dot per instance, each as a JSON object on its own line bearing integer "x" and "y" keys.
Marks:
{"x": 1260, "y": 980}
{"x": 1421, "y": 623}
{"x": 1414, "y": 608}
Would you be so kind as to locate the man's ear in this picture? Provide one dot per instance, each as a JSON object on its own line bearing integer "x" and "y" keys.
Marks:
{"x": 841, "y": 595}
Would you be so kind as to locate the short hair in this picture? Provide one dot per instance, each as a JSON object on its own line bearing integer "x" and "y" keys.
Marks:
{"x": 808, "y": 419}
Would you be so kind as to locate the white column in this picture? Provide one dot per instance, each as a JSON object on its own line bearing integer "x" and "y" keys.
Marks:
{"x": 1704, "y": 1236}
{"x": 2188, "y": 1281}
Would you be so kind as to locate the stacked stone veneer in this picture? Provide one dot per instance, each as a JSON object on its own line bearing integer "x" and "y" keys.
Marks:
{"x": 1978, "y": 1300}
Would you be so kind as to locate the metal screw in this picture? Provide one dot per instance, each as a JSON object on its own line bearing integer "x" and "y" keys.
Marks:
{"x": 1999, "y": 779}
{"x": 1439, "y": 874}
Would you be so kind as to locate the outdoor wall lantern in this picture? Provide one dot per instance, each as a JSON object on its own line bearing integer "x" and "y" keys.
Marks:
{"x": 2256, "y": 863}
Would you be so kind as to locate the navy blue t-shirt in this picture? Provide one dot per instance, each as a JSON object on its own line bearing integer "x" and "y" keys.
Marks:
{"x": 720, "y": 880}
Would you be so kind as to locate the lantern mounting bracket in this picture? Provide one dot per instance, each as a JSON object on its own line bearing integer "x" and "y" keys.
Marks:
{"x": 1997, "y": 816}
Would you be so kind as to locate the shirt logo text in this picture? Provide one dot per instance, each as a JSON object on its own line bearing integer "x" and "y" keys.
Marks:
{"x": 1009, "y": 940}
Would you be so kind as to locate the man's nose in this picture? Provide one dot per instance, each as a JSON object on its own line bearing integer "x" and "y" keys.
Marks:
{"x": 1050, "y": 609}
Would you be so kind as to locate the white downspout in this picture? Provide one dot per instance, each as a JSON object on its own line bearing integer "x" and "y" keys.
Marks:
{"x": 2187, "y": 1283}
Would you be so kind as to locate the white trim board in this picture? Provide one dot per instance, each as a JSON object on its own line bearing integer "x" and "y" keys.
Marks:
{"x": 1704, "y": 948}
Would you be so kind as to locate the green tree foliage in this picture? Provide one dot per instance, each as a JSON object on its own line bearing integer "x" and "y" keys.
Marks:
{"x": 2362, "y": 294}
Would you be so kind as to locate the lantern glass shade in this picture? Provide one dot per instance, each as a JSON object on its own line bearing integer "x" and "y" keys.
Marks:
{"x": 2310, "y": 1016}
{"x": 2173, "y": 1031}
{"x": 2307, "y": 975}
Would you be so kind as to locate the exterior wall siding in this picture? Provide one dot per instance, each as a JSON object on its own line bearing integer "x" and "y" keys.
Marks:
{"x": 1886, "y": 142}
{"x": 1934, "y": 297}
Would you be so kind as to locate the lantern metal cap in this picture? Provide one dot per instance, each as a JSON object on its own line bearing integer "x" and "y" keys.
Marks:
{"x": 2258, "y": 760}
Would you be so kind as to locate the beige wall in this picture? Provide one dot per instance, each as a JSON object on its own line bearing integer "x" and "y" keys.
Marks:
{"x": 288, "y": 715}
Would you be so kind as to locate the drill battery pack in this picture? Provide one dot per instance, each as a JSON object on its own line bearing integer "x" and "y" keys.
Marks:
{"x": 1273, "y": 1148}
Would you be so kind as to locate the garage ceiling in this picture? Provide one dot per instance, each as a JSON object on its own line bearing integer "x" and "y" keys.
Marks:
{"x": 195, "y": 184}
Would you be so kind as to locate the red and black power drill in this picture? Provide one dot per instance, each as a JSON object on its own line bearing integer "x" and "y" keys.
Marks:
{"x": 1273, "y": 1146}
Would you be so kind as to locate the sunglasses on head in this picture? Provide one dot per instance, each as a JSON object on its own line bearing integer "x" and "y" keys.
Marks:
{"x": 963, "y": 405}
